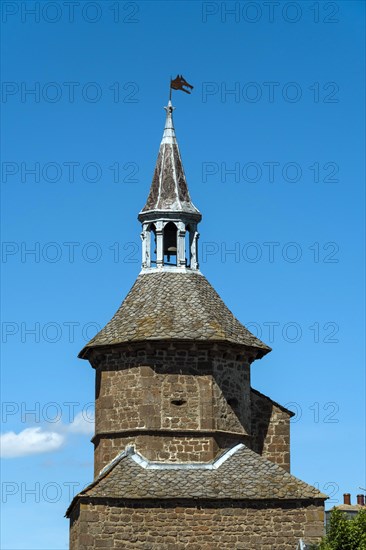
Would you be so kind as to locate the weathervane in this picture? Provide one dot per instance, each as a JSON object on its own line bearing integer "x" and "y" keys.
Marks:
{"x": 179, "y": 83}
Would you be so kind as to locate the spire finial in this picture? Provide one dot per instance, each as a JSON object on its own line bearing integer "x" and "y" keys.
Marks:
{"x": 169, "y": 108}
{"x": 169, "y": 131}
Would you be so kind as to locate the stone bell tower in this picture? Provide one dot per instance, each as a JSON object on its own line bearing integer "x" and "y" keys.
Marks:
{"x": 186, "y": 453}
{"x": 169, "y": 216}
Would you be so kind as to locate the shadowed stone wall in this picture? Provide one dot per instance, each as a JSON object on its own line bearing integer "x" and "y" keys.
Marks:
{"x": 270, "y": 430}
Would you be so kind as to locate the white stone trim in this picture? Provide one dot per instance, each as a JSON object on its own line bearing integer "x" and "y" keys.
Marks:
{"x": 116, "y": 459}
{"x": 146, "y": 464}
{"x": 170, "y": 269}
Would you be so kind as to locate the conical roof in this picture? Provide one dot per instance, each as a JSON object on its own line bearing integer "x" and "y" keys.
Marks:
{"x": 169, "y": 191}
{"x": 165, "y": 305}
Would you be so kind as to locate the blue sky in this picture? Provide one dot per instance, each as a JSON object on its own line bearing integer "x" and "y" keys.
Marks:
{"x": 272, "y": 140}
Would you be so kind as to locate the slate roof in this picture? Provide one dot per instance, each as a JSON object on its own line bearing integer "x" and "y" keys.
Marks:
{"x": 239, "y": 474}
{"x": 169, "y": 190}
{"x": 174, "y": 306}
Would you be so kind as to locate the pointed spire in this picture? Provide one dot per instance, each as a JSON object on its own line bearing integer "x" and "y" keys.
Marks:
{"x": 169, "y": 131}
{"x": 169, "y": 191}
{"x": 169, "y": 218}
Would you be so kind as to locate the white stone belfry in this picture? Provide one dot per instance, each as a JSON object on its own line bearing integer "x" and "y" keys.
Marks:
{"x": 169, "y": 218}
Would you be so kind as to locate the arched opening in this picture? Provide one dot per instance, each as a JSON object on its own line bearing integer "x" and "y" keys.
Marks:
{"x": 152, "y": 230}
{"x": 170, "y": 244}
{"x": 188, "y": 244}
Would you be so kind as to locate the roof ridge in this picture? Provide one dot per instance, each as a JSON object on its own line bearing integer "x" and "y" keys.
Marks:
{"x": 291, "y": 413}
{"x": 212, "y": 465}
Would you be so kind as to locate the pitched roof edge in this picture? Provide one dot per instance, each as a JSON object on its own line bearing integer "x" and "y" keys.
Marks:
{"x": 261, "y": 352}
{"x": 102, "y": 474}
{"x": 291, "y": 413}
{"x": 139, "y": 459}
{"x": 198, "y": 501}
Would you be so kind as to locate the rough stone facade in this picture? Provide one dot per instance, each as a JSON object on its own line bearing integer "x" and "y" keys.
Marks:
{"x": 183, "y": 404}
{"x": 179, "y": 403}
{"x": 267, "y": 525}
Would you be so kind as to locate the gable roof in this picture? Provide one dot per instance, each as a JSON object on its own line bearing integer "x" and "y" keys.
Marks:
{"x": 238, "y": 474}
{"x": 164, "y": 305}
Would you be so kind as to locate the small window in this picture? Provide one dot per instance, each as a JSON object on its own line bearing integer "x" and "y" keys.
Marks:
{"x": 178, "y": 402}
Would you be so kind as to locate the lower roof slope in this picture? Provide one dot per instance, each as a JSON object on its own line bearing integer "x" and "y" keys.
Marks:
{"x": 174, "y": 306}
{"x": 239, "y": 474}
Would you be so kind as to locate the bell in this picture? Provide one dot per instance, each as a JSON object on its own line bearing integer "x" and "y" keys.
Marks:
{"x": 170, "y": 240}
{"x": 172, "y": 251}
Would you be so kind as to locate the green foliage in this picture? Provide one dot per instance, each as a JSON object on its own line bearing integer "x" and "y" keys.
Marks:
{"x": 345, "y": 534}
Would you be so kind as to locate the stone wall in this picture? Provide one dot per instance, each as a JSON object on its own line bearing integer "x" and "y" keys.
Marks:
{"x": 270, "y": 430}
{"x": 197, "y": 394}
{"x": 166, "y": 448}
{"x": 254, "y": 525}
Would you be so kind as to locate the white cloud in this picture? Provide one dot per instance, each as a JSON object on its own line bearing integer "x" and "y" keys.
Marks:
{"x": 28, "y": 442}
{"x": 37, "y": 440}
{"x": 82, "y": 424}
